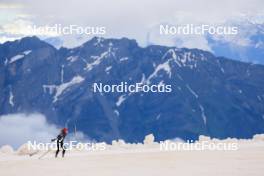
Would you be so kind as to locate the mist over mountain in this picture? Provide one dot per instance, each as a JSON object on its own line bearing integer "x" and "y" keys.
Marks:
{"x": 247, "y": 45}
{"x": 210, "y": 95}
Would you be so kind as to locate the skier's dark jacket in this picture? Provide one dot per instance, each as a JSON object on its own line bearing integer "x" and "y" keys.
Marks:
{"x": 61, "y": 137}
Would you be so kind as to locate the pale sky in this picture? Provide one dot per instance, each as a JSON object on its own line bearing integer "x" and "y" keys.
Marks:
{"x": 122, "y": 18}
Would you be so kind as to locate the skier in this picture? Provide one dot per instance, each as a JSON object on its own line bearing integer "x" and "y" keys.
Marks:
{"x": 60, "y": 140}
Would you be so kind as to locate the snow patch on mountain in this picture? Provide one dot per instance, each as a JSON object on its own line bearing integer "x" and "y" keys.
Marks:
{"x": 19, "y": 56}
{"x": 59, "y": 89}
{"x": 164, "y": 66}
{"x": 72, "y": 58}
{"x": 158, "y": 116}
{"x": 116, "y": 112}
{"x": 99, "y": 59}
{"x": 259, "y": 97}
{"x": 203, "y": 114}
{"x": 49, "y": 88}
{"x": 183, "y": 59}
{"x": 179, "y": 76}
{"x": 192, "y": 91}
{"x": 107, "y": 69}
{"x": 221, "y": 68}
{"x": 123, "y": 59}
{"x": 120, "y": 100}
{"x": 16, "y": 58}
{"x": 143, "y": 79}
{"x": 186, "y": 59}
{"x": 99, "y": 42}
{"x": 27, "y": 52}
{"x": 6, "y": 61}
{"x": 62, "y": 73}
{"x": 11, "y": 98}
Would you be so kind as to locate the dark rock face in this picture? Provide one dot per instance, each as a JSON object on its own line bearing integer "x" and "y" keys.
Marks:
{"x": 210, "y": 95}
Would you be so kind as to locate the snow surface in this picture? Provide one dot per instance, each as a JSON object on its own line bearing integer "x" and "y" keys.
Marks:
{"x": 140, "y": 159}
{"x": 7, "y": 149}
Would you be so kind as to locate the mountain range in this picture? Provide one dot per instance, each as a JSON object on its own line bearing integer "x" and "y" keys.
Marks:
{"x": 213, "y": 96}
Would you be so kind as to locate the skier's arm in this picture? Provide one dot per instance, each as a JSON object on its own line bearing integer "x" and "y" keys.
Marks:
{"x": 58, "y": 138}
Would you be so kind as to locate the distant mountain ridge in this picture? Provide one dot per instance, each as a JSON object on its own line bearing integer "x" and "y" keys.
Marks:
{"x": 247, "y": 45}
{"x": 211, "y": 95}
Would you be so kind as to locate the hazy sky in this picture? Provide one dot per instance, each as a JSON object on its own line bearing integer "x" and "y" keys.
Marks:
{"x": 120, "y": 17}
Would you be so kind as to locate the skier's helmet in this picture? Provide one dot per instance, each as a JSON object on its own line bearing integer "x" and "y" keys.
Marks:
{"x": 65, "y": 130}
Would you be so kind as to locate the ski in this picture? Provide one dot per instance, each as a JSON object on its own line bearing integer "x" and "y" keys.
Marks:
{"x": 44, "y": 154}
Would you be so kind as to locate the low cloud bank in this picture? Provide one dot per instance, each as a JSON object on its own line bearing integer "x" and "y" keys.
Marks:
{"x": 17, "y": 129}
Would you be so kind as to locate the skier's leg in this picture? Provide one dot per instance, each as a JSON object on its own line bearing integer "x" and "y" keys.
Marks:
{"x": 63, "y": 149}
{"x": 58, "y": 149}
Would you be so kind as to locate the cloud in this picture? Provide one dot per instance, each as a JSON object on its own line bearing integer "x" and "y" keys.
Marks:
{"x": 179, "y": 40}
{"x": 125, "y": 18}
{"x": 10, "y": 6}
{"x": 17, "y": 129}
